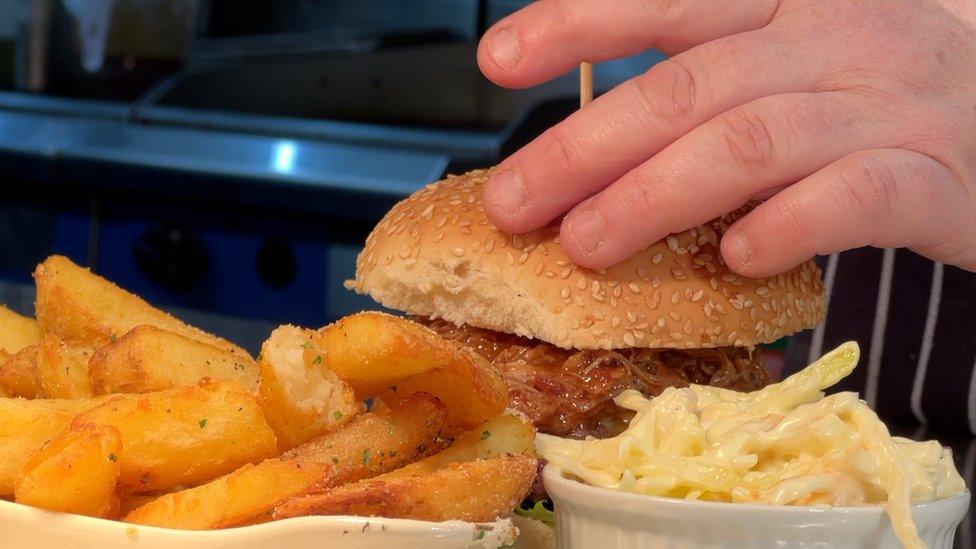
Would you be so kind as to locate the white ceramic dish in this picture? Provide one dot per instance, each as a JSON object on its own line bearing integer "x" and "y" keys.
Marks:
{"x": 25, "y": 527}
{"x": 590, "y": 517}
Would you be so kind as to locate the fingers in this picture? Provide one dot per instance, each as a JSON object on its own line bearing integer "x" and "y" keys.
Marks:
{"x": 599, "y": 144}
{"x": 716, "y": 168}
{"x": 886, "y": 198}
{"x": 550, "y": 37}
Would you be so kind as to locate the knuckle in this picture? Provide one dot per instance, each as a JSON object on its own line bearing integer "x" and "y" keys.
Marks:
{"x": 668, "y": 91}
{"x": 789, "y": 216}
{"x": 872, "y": 187}
{"x": 564, "y": 153}
{"x": 748, "y": 139}
{"x": 637, "y": 197}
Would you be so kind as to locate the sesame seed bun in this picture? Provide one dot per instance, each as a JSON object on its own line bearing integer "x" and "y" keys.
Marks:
{"x": 436, "y": 254}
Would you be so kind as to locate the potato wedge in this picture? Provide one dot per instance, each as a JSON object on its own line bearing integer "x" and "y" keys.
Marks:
{"x": 500, "y": 436}
{"x": 301, "y": 400}
{"x": 16, "y": 331}
{"x": 151, "y": 359}
{"x": 378, "y": 354}
{"x": 86, "y": 310}
{"x": 26, "y": 425}
{"x": 184, "y": 436}
{"x": 474, "y": 491}
{"x": 62, "y": 371}
{"x": 75, "y": 473}
{"x": 371, "y": 444}
{"x": 18, "y": 374}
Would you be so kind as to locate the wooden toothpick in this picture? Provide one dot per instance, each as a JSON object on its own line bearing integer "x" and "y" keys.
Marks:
{"x": 586, "y": 84}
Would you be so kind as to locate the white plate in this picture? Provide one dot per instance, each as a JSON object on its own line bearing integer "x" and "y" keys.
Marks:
{"x": 590, "y": 517}
{"x": 25, "y": 527}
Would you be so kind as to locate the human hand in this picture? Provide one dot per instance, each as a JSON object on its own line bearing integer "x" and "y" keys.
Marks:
{"x": 856, "y": 118}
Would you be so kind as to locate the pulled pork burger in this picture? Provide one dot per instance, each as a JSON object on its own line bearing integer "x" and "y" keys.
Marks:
{"x": 569, "y": 339}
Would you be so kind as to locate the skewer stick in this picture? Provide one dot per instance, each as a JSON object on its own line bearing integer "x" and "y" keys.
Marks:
{"x": 586, "y": 84}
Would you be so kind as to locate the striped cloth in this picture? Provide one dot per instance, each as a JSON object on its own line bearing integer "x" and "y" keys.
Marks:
{"x": 916, "y": 323}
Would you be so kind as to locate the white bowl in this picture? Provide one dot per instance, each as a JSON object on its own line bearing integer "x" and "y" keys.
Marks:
{"x": 591, "y": 517}
{"x": 25, "y": 527}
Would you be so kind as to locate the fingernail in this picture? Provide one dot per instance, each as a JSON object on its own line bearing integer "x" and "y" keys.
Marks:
{"x": 586, "y": 230}
{"x": 736, "y": 249}
{"x": 506, "y": 190}
{"x": 504, "y": 49}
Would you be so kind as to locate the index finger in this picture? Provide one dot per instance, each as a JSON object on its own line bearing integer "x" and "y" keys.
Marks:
{"x": 550, "y": 37}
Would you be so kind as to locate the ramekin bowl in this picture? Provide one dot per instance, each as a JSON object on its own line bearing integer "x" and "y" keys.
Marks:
{"x": 591, "y": 517}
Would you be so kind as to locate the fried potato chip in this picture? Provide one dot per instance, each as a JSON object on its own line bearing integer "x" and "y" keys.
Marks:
{"x": 26, "y": 425}
{"x": 18, "y": 374}
{"x": 378, "y": 354}
{"x": 371, "y": 444}
{"x": 62, "y": 371}
{"x": 75, "y": 473}
{"x": 151, "y": 359}
{"x": 474, "y": 491}
{"x": 301, "y": 399}
{"x": 16, "y": 331}
{"x": 184, "y": 436}
{"x": 503, "y": 435}
{"x": 86, "y": 310}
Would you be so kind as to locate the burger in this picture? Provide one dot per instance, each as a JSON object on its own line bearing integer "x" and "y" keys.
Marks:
{"x": 568, "y": 339}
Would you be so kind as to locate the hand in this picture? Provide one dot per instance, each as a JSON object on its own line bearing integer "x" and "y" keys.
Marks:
{"x": 856, "y": 118}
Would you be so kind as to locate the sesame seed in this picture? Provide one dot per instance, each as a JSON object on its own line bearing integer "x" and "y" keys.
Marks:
{"x": 675, "y": 316}
{"x": 599, "y": 315}
{"x": 656, "y": 258}
{"x": 629, "y": 339}
{"x": 655, "y": 299}
{"x": 631, "y": 317}
{"x": 762, "y": 290}
{"x": 539, "y": 268}
{"x": 698, "y": 295}
{"x": 675, "y": 298}
{"x": 656, "y": 282}
{"x": 564, "y": 293}
{"x": 672, "y": 243}
{"x": 642, "y": 274}
{"x": 676, "y": 335}
{"x": 634, "y": 287}
{"x": 550, "y": 274}
{"x": 458, "y": 252}
{"x": 615, "y": 321}
{"x": 564, "y": 274}
{"x": 688, "y": 327}
{"x": 523, "y": 258}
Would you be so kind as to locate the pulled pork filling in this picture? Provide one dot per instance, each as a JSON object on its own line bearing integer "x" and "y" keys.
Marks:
{"x": 569, "y": 392}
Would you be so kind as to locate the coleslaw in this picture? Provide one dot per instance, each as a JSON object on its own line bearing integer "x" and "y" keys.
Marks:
{"x": 786, "y": 444}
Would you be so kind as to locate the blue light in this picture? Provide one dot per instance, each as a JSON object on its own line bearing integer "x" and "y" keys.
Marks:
{"x": 284, "y": 157}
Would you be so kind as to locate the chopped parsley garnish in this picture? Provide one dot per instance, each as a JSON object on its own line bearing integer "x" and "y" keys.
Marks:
{"x": 112, "y": 457}
{"x": 335, "y": 460}
{"x": 202, "y": 423}
{"x": 307, "y": 345}
{"x": 317, "y": 359}
{"x": 485, "y": 435}
{"x": 337, "y": 415}
{"x": 367, "y": 456}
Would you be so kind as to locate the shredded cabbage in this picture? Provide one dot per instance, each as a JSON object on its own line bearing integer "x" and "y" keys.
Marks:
{"x": 786, "y": 444}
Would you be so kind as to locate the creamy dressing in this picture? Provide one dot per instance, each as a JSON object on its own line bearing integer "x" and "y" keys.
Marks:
{"x": 786, "y": 444}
